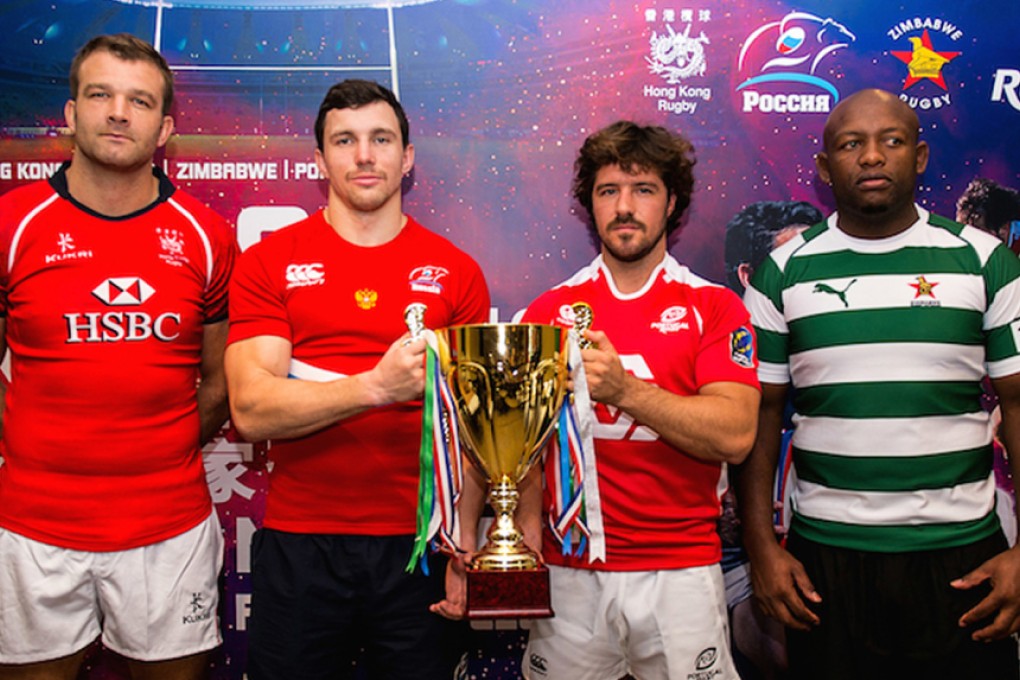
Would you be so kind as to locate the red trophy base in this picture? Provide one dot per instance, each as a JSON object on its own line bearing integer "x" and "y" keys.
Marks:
{"x": 498, "y": 594}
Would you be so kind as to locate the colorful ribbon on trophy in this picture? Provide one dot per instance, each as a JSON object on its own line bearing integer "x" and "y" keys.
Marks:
{"x": 576, "y": 516}
{"x": 440, "y": 476}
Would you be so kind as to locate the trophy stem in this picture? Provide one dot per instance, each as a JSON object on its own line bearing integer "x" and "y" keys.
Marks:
{"x": 505, "y": 549}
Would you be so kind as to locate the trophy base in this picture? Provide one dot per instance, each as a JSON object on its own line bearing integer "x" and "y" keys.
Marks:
{"x": 519, "y": 594}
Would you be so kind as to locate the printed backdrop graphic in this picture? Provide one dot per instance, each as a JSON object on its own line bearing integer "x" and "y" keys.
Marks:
{"x": 500, "y": 94}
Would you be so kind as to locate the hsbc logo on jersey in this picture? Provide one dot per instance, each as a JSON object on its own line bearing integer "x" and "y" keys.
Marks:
{"x": 122, "y": 326}
{"x": 123, "y": 291}
{"x": 426, "y": 279}
{"x": 300, "y": 275}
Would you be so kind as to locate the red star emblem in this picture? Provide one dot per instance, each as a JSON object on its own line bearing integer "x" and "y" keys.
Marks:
{"x": 923, "y": 287}
{"x": 924, "y": 62}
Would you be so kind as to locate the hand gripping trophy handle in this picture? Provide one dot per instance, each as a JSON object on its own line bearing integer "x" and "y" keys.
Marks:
{"x": 583, "y": 318}
{"x": 414, "y": 318}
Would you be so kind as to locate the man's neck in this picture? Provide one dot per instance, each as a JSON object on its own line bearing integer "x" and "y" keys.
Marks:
{"x": 630, "y": 277}
{"x": 111, "y": 193}
{"x": 366, "y": 229}
{"x": 877, "y": 226}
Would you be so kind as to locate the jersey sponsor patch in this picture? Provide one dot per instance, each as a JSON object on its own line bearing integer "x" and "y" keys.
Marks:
{"x": 742, "y": 347}
{"x": 426, "y": 279}
{"x": 124, "y": 290}
{"x": 310, "y": 274}
{"x": 671, "y": 320}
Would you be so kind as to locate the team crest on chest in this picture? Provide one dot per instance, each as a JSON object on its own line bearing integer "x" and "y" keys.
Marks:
{"x": 566, "y": 315}
{"x": 672, "y": 320}
{"x": 924, "y": 292}
{"x": 171, "y": 243}
{"x": 426, "y": 279}
{"x": 366, "y": 298}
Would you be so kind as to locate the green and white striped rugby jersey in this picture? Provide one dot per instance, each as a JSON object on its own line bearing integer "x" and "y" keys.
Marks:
{"x": 885, "y": 343}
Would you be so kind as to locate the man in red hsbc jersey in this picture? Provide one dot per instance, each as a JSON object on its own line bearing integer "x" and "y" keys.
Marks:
{"x": 673, "y": 380}
{"x": 113, "y": 294}
{"x": 319, "y": 361}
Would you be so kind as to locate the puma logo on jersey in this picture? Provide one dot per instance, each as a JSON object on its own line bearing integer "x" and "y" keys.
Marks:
{"x": 829, "y": 290}
{"x": 305, "y": 275}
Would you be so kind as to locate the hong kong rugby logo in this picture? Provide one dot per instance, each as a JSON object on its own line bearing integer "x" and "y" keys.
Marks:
{"x": 300, "y": 275}
{"x": 677, "y": 56}
{"x": 426, "y": 279}
{"x": 171, "y": 241}
{"x": 672, "y": 320}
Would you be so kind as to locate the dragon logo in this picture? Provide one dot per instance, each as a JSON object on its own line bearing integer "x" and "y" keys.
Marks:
{"x": 677, "y": 56}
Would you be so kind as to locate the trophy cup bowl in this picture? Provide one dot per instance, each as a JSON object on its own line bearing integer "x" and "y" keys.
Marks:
{"x": 508, "y": 383}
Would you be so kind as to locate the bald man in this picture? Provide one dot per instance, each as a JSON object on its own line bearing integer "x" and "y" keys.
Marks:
{"x": 884, "y": 319}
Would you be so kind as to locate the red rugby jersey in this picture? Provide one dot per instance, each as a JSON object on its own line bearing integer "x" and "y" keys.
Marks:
{"x": 104, "y": 325}
{"x": 680, "y": 332}
{"x": 341, "y": 306}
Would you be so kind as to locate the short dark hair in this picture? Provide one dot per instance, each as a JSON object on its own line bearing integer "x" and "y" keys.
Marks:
{"x": 129, "y": 48}
{"x": 637, "y": 148}
{"x": 987, "y": 205}
{"x": 750, "y": 234}
{"x": 353, "y": 93}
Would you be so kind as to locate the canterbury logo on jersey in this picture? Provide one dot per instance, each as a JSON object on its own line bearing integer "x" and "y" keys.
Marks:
{"x": 311, "y": 274}
{"x": 426, "y": 279}
{"x": 122, "y": 326}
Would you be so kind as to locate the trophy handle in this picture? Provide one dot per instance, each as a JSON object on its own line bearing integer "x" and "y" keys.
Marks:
{"x": 545, "y": 383}
{"x": 471, "y": 400}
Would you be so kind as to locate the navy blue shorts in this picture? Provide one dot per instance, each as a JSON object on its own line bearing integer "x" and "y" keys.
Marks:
{"x": 323, "y": 603}
{"x": 894, "y": 615}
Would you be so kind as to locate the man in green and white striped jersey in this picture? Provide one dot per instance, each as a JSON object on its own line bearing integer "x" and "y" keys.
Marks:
{"x": 883, "y": 320}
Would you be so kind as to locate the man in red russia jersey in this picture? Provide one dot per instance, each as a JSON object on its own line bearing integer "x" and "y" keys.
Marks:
{"x": 320, "y": 362}
{"x": 673, "y": 380}
{"x": 113, "y": 294}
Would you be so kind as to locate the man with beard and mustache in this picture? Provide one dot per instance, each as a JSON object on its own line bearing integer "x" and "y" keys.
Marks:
{"x": 320, "y": 361}
{"x": 671, "y": 372}
{"x": 884, "y": 319}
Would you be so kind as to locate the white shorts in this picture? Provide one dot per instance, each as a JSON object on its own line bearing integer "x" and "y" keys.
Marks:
{"x": 151, "y": 603}
{"x": 655, "y": 625}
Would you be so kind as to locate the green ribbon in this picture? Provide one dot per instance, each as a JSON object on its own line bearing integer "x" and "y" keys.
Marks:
{"x": 426, "y": 466}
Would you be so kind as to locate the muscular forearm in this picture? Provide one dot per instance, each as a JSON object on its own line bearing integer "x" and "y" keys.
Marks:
{"x": 271, "y": 407}
{"x": 716, "y": 425}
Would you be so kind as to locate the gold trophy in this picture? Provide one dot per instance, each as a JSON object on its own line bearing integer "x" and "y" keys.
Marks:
{"x": 508, "y": 383}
